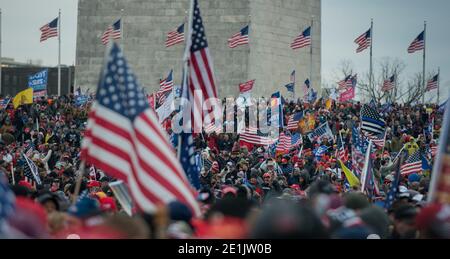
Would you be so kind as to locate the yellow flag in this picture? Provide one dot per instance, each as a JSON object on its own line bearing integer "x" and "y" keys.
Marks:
{"x": 351, "y": 178}
{"x": 328, "y": 104}
{"x": 23, "y": 97}
{"x": 311, "y": 122}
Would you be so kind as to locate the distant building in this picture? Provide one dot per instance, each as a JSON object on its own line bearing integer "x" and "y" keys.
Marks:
{"x": 15, "y": 77}
{"x": 268, "y": 58}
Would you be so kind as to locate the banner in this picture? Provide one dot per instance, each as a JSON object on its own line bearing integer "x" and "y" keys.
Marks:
{"x": 38, "y": 82}
{"x": 347, "y": 95}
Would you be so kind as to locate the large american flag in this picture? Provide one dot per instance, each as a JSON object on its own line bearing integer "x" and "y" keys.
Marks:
{"x": 201, "y": 73}
{"x": 49, "y": 30}
{"x": 247, "y": 86}
{"x": 388, "y": 84}
{"x": 364, "y": 41}
{"x": 371, "y": 121}
{"x": 112, "y": 32}
{"x": 293, "y": 121}
{"x": 125, "y": 139}
{"x": 413, "y": 164}
{"x": 176, "y": 36}
{"x": 165, "y": 88}
{"x": 240, "y": 38}
{"x": 433, "y": 83}
{"x": 418, "y": 43}
{"x": 302, "y": 40}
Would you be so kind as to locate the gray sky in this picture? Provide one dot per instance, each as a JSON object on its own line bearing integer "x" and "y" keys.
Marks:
{"x": 396, "y": 24}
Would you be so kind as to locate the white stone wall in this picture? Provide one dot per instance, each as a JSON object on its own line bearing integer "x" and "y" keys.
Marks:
{"x": 268, "y": 59}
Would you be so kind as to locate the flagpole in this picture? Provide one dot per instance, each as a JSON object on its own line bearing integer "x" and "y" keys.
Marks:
{"x": 122, "y": 29}
{"x": 12, "y": 174}
{"x": 424, "y": 53}
{"x": 438, "y": 84}
{"x": 59, "y": 53}
{"x": 371, "y": 60}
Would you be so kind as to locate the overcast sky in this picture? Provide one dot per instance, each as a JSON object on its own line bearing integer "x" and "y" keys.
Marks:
{"x": 396, "y": 24}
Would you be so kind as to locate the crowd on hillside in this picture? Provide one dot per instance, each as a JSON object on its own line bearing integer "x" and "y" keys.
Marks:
{"x": 244, "y": 191}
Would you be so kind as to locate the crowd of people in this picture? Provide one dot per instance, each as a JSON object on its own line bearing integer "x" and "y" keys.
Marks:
{"x": 245, "y": 190}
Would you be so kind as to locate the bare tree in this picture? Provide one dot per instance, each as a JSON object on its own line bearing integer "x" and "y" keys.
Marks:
{"x": 414, "y": 90}
{"x": 387, "y": 67}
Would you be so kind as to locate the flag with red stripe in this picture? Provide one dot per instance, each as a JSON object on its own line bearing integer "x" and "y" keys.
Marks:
{"x": 364, "y": 41}
{"x": 125, "y": 139}
{"x": 49, "y": 30}
{"x": 176, "y": 36}
{"x": 113, "y": 31}
{"x": 201, "y": 73}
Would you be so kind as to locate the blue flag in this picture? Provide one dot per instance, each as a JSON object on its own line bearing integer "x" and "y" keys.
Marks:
{"x": 189, "y": 161}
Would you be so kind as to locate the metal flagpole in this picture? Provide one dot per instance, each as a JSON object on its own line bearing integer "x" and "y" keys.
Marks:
{"x": 438, "y": 84}
{"x": 59, "y": 53}
{"x": 122, "y": 29}
{"x": 424, "y": 51}
{"x": 371, "y": 61}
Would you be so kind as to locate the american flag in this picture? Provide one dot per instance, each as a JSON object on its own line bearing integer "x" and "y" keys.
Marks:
{"x": 212, "y": 127}
{"x": 165, "y": 87}
{"x": 49, "y": 30}
{"x": 125, "y": 139}
{"x": 302, "y": 40}
{"x": 378, "y": 140}
{"x": 240, "y": 38}
{"x": 112, "y": 32}
{"x": 188, "y": 159}
{"x": 388, "y": 84}
{"x": 31, "y": 171}
{"x": 4, "y": 103}
{"x": 247, "y": 86}
{"x": 412, "y": 164}
{"x": 433, "y": 83}
{"x": 293, "y": 121}
{"x": 341, "y": 152}
{"x": 364, "y": 41}
{"x": 418, "y": 43}
{"x": 371, "y": 122}
{"x": 201, "y": 74}
{"x": 344, "y": 83}
{"x": 176, "y": 36}
{"x": 287, "y": 142}
{"x": 255, "y": 137}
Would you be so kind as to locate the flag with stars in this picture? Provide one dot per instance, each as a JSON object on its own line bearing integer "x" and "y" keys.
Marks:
{"x": 188, "y": 159}
{"x": 413, "y": 164}
{"x": 201, "y": 73}
{"x": 124, "y": 138}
